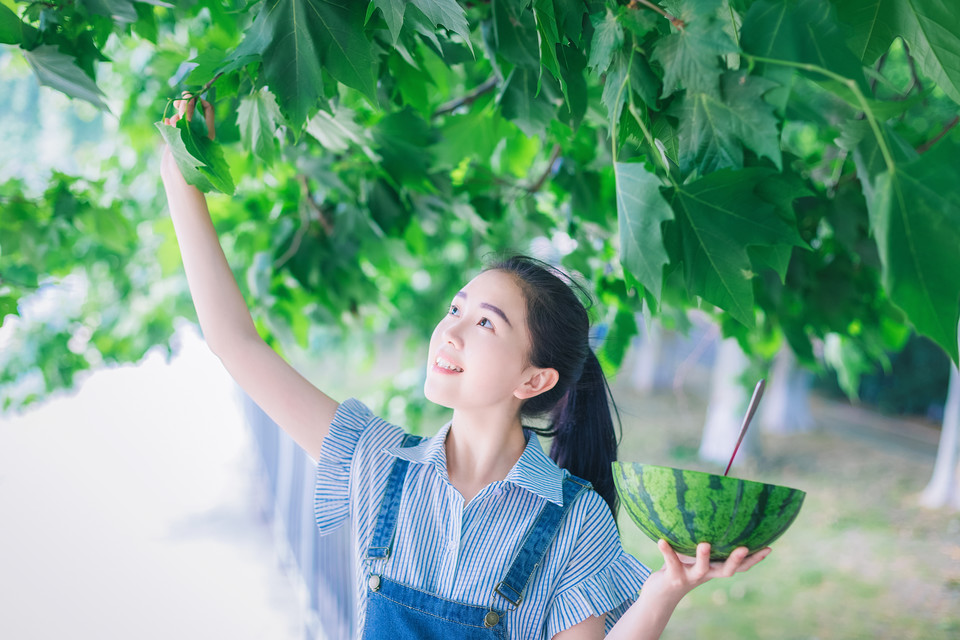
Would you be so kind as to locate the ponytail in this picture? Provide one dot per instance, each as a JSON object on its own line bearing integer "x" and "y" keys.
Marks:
{"x": 578, "y": 406}
{"x": 584, "y": 439}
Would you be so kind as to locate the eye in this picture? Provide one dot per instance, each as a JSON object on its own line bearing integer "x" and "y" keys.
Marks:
{"x": 454, "y": 310}
{"x": 485, "y": 323}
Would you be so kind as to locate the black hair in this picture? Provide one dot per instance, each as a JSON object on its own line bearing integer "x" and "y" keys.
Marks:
{"x": 578, "y": 406}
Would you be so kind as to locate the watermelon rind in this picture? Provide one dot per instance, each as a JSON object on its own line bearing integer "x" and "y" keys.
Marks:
{"x": 686, "y": 507}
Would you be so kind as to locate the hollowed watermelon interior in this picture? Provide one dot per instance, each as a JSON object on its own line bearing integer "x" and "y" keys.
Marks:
{"x": 688, "y": 507}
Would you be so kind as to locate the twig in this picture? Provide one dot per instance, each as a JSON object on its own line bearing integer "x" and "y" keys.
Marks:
{"x": 470, "y": 98}
{"x": 929, "y": 143}
{"x": 536, "y": 186}
{"x": 675, "y": 21}
{"x": 317, "y": 212}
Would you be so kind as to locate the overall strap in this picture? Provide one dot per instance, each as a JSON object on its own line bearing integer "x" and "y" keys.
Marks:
{"x": 386, "y": 524}
{"x": 537, "y": 541}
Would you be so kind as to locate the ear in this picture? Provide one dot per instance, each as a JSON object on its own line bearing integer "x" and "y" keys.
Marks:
{"x": 537, "y": 382}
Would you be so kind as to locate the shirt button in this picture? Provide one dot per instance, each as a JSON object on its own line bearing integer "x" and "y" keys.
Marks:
{"x": 452, "y": 546}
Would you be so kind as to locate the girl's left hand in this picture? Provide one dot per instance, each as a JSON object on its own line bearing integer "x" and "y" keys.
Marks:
{"x": 681, "y": 574}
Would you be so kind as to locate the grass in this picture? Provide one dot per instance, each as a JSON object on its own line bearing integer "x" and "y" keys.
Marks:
{"x": 862, "y": 560}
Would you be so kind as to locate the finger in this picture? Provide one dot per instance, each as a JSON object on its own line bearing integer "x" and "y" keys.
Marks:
{"x": 671, "y": 562}
{"x": 753, "y": 559}
{"x": 703, "y": 556}
{"x": 733, "y": 562}
{"x": 208, "y": 115}
{"x": 191, "y": 107}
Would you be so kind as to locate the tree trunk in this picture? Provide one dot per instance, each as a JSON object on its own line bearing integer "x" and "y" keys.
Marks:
{"x": 944, "y": 487}
{"x": 786, "y": 403}
{"x": 643, "y": 376}
{"x": 728, "y": 403}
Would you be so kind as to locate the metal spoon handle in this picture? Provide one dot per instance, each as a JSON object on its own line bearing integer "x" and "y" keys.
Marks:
{"x": 751, "y": 409}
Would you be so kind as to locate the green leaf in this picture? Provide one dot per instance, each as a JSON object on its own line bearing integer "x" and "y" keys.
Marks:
{"x": 915, "y": 218}
{"x": 199, "y": 159}
{"x": 515, "y": 32}
{"x": 117, "y": 10}
{"x": 392, "y": 15}
{"x": 641, "y": 211}
{"x": 607, "y": 40}
{"x": 804, "y": 31}
{"x": 300, "y": 39}
{"x": 60, "y": 71}
{"x": 548, "y": 35}
{"x": 691, "y": 58}
{"x": 13, "y": 30}
{"x": 257, "y": 117}
{"x": 930, "y": 27}
{"x": 718, "y": 217}
{"x": 447, "y": 14}
{"x": 522, "y": 104}
{"x": 713, "y": 126}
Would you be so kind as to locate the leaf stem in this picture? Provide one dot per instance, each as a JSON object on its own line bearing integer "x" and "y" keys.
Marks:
{"x": 675, "y": 21}
{"x": 850, "y": 84}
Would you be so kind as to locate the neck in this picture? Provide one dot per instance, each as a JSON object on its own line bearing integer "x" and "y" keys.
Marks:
{"x": 481, "y": 449}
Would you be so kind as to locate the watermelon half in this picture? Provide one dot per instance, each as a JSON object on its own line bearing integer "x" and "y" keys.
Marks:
{"x": 688, "y": 507}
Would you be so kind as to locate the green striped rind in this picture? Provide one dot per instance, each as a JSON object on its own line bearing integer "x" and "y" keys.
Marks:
{"x": 687, "y": 507}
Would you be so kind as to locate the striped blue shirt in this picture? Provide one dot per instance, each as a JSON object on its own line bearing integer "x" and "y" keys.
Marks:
{"x": 460, "y": 551}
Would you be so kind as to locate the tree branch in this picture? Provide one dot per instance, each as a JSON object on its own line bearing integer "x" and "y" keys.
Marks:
{"x": 929, "y": 143}
{"x": 536, "y": 186}
{"x": 317, "y": 212}
{"x": 470, "y": 98}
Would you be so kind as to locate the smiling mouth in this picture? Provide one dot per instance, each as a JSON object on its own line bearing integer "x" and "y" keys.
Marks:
{"x": 446, "y": 365}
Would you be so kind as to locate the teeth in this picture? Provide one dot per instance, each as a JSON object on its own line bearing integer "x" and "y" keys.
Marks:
{"x": 443, "y": 364}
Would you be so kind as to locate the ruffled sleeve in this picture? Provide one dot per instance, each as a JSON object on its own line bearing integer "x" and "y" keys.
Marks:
{"x": 353, "y": 431}
{"x": 600, "y": 577}
{"x": 611, "y": 591}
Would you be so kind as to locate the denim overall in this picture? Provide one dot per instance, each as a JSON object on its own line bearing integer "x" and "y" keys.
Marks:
{"x": 399, "y": 612}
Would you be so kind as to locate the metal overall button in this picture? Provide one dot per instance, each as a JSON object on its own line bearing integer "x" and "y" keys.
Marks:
{"x": 374, "y": 582}
{"x": 491, "y": 619}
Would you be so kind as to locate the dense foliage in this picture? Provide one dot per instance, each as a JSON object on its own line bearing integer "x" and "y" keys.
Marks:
{"x": 787, "y": 165}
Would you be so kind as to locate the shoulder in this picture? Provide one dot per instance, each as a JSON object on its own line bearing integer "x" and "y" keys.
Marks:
{"x": 356, "y": 430}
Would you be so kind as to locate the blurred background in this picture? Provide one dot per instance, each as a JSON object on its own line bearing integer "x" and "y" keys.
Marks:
{"x": 785, "y": 216}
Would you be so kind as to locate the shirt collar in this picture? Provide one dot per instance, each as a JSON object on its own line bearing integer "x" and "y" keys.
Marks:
{"x": 534, "y": 471}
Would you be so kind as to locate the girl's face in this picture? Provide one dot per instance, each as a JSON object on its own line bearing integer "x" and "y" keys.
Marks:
{"x": 478, "y": 352}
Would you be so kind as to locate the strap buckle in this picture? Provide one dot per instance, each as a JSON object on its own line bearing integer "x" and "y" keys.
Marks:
{"x": 514, "y": 597}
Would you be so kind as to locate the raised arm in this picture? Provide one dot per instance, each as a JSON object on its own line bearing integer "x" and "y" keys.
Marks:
{"x": 302, "y": 410}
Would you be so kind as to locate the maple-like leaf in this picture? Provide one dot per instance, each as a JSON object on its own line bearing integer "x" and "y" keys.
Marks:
{"x": 691, "y": 58}
{"x": 718, "y": 217}
{"x": 641, "y": 210}
{"x": 257, "y": 118}
{"x": 299, "y": 40}
{"x": 714, "y": 126}
{"x": 805, "y": 31}
{"x": 915, "y": 217}
{"x": 931, "y": 29}
{"x": 199, "y": 159}
{"x": 61, "y": 72}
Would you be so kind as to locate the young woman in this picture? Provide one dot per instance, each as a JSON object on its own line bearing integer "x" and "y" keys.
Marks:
{"x": 475, "y": 532}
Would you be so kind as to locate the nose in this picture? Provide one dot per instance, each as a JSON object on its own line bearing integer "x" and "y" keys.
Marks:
{"x": 450, "y": 333}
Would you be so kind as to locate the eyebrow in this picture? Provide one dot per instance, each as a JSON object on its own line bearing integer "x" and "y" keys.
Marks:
{"x": 487, "y": 305}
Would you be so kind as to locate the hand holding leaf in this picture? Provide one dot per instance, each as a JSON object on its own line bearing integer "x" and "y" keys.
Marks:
{"x": 197, "y": 158}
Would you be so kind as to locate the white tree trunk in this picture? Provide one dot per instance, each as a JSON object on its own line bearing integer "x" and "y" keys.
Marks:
{"x": 944, "y": 487}
{"x": 648, "y": 347}
{"x": 728, "y": 404}
{"x": 786, "y": 403}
